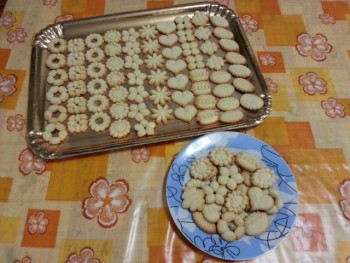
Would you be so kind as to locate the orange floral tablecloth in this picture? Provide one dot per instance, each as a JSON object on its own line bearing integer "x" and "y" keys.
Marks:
{"x": 48, "y": 209}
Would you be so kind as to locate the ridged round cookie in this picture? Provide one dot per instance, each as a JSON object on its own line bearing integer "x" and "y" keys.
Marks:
{"x": 218, "y": 21}
{"x": 228, "y": 44}
{"x": 235, "y": 58}
{"x": 223, "y": 90}
{"x": 227, "y": 104}
{"x": 251, "y": 101}
{"x": 231, "y": 116}
{"x": 240, "y": 71}
{"x": 243, "y": 85}
{"x": 220, "y": 77}
{"x": 221, "y": 32}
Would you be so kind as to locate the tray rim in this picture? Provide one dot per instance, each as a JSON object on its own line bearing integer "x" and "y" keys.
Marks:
{"x": 57, "y": 29}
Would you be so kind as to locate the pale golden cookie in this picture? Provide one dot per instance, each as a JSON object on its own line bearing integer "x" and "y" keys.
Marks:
{"x": 263, "y": 178}
{"x": 251, "y": 101}
{"x": 256, "y": 223}
{"x": 193, "y": 195}
{"x": 227, "y": 104}
{"x": 207, "y": 117}
{"x": 221, "y": 156}
{"x": 231, "y": 116}
{"x": 247, "y": 161}
{"x": 203, "y": 169}
{"x": 203, "y": 224}
{"x": 259, "y": 201}
{"x": 185, "y": 114}
{"x": 211, "y": 212}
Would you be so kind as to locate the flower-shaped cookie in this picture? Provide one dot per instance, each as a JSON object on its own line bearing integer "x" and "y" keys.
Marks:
{"x": 119, "y": 110}
{"x": 157, "y": 77}
{"x": 183, "y": 22}
{"x": 150, "y": 46}
{"x": 148, "y": 31}
{"x": 263, "y": 178}
{"x": 115, "y": 63}
{"x": 136, "y": 77}
{"x": 115, "y": 79}
{"x": 203, "y": 169}
{"x": 130, "y": 35}
{"x": 215, "y": 193}
{"x": 133, "y": 61}
{"x": 137, "y": 94}
{"x": 138, "y": 111}
{"x": 160, "y": 95}
{"x": 145, "y": 127}
{"x": 190, "y": 49}
{"x": 118, "y": 94}
{"x": 131, "y": 48}
{"x": 236, "y": 202}
{"x": 120, "y": 128}
{"x": 162, "y": 114}
{"x": 208, "y": 47}
{"x": 194, "y": 62}
{"x": 185, "y": 36}
{"x": 113, "y": 49}
{"x": 202, "y": 33}
{"x": 154, "y": 61}
{"x": 221, "y": 156}
{"x": 230, "y": 177}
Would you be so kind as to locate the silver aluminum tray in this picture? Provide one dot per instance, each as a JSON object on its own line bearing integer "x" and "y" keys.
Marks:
{"x": 92, "y": 142}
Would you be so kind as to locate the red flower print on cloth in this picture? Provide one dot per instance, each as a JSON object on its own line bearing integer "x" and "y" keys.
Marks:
{"x": 327, "y": 19}
{"x": 16, "y": 122}
{"x": 30, "y": 163}
{"x": 86, "y": 255}
{"x": 344, "y": 190}
{"x": 312, "y": 83}
{"x": 64, "y": 18}
{"x": 7, "y": 86}
{"x": 106, "y": 201}
{"x": 249, "y": 24}
{"x": 16, "y": 35}
{"x": 26, "y": 259}
{"x": 140, "y": 154}
{"x": 333, "y": 108}
{"x": 37, "y": 223}
{"x": 49, "y": 3}
{"x": 316, "y": 47}
{"x": 272, "y": 86}
{"x": 267, "y": 59}
{"x": 302, "y": 228}
{"x": 7, "y": 20}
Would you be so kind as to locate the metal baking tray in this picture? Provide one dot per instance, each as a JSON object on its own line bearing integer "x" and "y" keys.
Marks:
{"x": 92, "y": 142}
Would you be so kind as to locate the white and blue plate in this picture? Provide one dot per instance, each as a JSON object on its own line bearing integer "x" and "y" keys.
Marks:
{"x": 248, "y": 247}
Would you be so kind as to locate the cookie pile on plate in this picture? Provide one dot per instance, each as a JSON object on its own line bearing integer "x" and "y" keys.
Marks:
{"x": 130, "y": 81}
{"x": 231, "y": 195}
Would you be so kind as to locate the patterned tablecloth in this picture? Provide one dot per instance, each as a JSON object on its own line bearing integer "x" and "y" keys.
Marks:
{"x": 47, "y": 208}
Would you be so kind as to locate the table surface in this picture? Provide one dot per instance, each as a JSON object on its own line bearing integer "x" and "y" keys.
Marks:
{"x": 303, "y": 49}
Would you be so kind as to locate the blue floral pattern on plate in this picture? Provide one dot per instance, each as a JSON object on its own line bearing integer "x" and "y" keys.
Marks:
{"x": 247, "y": 247}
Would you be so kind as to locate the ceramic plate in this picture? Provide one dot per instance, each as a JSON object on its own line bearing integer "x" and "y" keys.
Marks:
{"x": 247, "y": 247}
